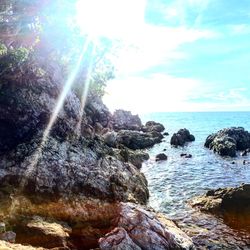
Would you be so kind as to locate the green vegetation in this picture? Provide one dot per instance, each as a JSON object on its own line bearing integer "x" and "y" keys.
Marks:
{"x": 47, "y": 30}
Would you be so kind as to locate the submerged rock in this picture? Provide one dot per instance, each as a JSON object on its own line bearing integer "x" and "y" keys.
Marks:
{"x": 181, "y": 137}
{"x": 227, "y": 141}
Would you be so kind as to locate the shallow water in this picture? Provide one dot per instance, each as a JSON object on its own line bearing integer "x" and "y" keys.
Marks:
{"x": 173, "y": 182}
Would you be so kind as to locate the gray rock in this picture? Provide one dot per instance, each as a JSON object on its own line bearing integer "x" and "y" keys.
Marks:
{"x": 26, "y": 106}
{"x": 65, "y": 168}
{"x": 8, "y": 236}
{"x": 151, "y": 126}
{"x": 110, "y": 138}
{"x": 161, "y": 157}
{"x": 226, "y": 142}
{"x": 181, "y": 137}
{"x": 124, "y": 120}
{"x": 138, "y": 140}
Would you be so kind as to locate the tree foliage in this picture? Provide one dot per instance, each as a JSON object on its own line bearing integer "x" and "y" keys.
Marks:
{"x": 47, "y": 29}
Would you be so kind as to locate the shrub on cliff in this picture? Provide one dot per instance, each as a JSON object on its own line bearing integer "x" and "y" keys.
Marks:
{"x": 48, "y": 28}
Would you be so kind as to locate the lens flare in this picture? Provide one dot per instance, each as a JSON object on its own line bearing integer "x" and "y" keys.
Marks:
{"x": 85, "y": 89}
{"x": 67, "y": 87}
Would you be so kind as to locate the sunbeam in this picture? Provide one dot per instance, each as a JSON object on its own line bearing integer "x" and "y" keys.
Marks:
{"x": 58, "y": 107}
{"x": 85, "y": 89}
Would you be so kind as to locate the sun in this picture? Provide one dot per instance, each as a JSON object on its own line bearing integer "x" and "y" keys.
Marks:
{"x": 110, "y": 18}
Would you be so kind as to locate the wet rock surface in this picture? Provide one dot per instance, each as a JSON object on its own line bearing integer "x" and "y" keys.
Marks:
{"x": 227, "y": 142}
{"x": 225, "y": 200}
{"x": 158, "y": 233}
{"x": 181, "y": 137}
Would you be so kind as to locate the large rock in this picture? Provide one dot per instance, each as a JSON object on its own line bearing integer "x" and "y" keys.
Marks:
{"x": 137, "y": 228}
{"x": 153, "y": 126}
{"x": 124, "y": 120}
{"x": 64, "y": 168}
{"x": 97, "y": 112}
{"x": 27, "y": 101}
{"x": 181, "y": 137}
{"x": 138, "y": 140}
{"x": 227, "y": 141}
{"x": 225, "y": 200}
{"x": 73, "y": 176}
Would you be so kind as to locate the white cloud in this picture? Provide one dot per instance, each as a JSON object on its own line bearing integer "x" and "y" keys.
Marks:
{"x": 239, "y": 29}
{"x": 154, "y": 45}
{"x": 156, "y": 93}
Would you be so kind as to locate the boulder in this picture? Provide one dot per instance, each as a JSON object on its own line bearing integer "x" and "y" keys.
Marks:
{"x": 153, "y": 126}
{"x": 110, "y": 138}
{"x": 227, "y": 141}
{"x": 124, "y": 120}
{"x": 138, "y": 140}
{"x": 161, "y": 157}
{"x": 41, "y": 233}
{"x": 181, "y": 137}
{"x": 138, "y": 228}
{"x": 225, "y": 200}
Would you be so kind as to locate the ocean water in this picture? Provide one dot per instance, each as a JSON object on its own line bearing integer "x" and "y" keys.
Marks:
{"x": 174, "y": 182}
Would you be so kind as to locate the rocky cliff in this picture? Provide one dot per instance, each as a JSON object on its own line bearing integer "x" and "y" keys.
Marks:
{"x": 68, "y": 189}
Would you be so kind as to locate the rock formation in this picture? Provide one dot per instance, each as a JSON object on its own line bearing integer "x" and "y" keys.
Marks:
{"x": 73, "y": 178}
{"x": 225, "y": 200}
{"x": 227, "y": 141}
{"x": 181, "y": 137}
{"x": 124, "y": 120}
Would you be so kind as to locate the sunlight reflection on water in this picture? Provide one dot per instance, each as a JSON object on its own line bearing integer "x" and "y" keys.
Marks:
{"x": 173, "y": 182}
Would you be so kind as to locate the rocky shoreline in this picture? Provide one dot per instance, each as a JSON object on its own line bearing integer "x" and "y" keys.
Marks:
{"x": 81, "y": 186}
{"x": 74, "y": 189}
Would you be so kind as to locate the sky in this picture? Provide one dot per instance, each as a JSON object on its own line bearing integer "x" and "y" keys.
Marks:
{"x": 183, "y": 55}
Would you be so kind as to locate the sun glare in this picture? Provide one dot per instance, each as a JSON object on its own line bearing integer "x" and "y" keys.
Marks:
{"x": 110, "y": 18}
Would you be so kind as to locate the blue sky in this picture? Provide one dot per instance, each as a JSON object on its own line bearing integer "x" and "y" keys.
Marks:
{"x": 188, "y": 55}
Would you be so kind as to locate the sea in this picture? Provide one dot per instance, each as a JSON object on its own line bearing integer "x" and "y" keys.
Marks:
{"x": 173, "y": 183}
